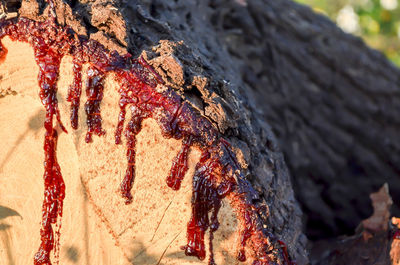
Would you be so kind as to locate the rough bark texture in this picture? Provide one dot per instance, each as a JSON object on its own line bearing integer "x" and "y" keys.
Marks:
{"x": 332, "y": 102}
{"x": 258, "y": 67}
{"x": 179, "y": 40}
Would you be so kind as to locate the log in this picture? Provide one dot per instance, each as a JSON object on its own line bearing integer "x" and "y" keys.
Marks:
{"x": 331, "y": 101}
{"x": 97, "y": 226}
{"x": 268, "y": 75}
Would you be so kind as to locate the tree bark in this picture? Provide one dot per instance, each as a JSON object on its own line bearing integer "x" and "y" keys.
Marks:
{"x": 330, "y": 100}
{"x": 179, "y": 42}
{"x": 332, "y": 103}
{"x": 271, "y": 76}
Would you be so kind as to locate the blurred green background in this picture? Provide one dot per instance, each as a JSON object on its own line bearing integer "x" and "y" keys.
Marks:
{"x": 376, "y": 21}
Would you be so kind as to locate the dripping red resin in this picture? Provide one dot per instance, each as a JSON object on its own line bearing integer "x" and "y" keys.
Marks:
{"x": 217, "y": 174}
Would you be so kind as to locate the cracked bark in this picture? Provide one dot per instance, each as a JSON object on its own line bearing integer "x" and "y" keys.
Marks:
{"x": 262, "y": 69}
{"x": 331, "y": 101}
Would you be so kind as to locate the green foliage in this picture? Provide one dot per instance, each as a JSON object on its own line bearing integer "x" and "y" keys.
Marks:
{"x": 376, "y": 21}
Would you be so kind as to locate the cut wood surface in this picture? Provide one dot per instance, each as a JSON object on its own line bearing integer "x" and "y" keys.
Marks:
{"x": 97, "y": 226}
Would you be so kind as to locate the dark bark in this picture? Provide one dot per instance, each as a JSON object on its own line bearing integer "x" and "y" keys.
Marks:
{"x": 178, "y": 39}
{"x": 332, "y": 102}
{"x": 265, "y": 68}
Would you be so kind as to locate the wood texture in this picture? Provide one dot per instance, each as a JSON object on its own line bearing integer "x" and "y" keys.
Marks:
{"x": 178, "y": 39}
{"x": 259, "y": 69}
{"x": 97, "y": 227}
{"x": 332, "y": 102}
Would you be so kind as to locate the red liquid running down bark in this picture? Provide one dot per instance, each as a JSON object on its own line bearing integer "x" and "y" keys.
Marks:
{"x": 94, "y": 93}
{"x": 48, "y": 59}
{"x": 133, "y": 128}
{"x": 74, "y": 93}
{"x": 205, "y": 199}
{"x": 285, "y": 253}
{"x": 217, "y": 175}
{"x": 179, "y": 165}
{"x": 245, "y": 235}
{"x": 53, "y": 200}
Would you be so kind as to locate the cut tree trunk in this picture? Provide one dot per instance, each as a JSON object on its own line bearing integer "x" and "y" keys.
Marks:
{"x": 97, "y": 226}
{"x": 256, "y": 69}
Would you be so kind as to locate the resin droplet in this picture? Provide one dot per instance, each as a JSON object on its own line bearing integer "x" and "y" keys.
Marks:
{"x": 128, "y": 90}
{"x": 74, "y": 93}
{"x": 48, "y": 60}
{"x": 204, "y": 199}
{"x": 285, "y": 253}
{"x": 133, "y": 128}
{"x": 180, "y": 165}
{"x": 53, "y": 200}
{"x": 245, "y": 234}
{"x": 94, "y": 93}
